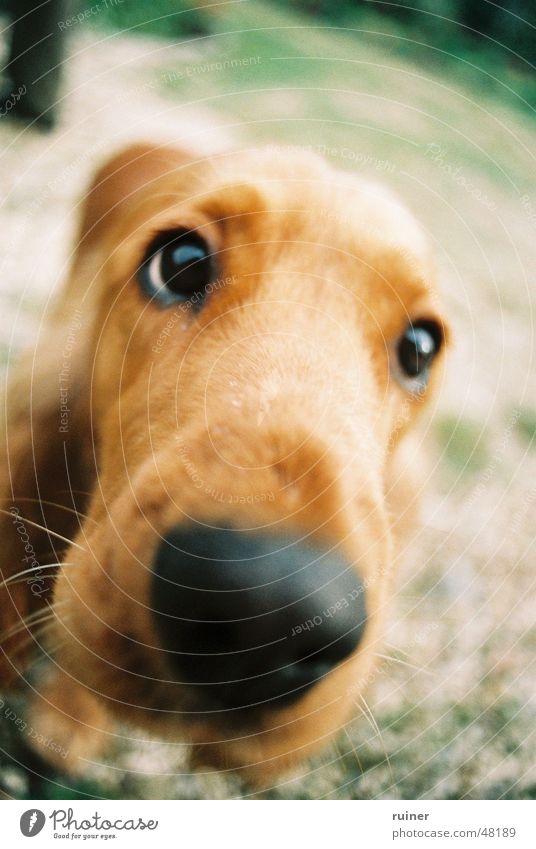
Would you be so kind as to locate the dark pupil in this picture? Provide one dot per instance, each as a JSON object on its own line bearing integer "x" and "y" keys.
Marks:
{"x": 185, "y": 266}
{"x": 416, "y": 350}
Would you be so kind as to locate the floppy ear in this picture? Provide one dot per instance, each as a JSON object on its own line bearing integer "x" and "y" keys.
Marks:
{"x": 47, "y": 465}
{"x": 116, "y": 184}
{"x": 41, "y": 472}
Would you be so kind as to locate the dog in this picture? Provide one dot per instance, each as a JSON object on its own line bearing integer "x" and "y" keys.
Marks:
{"x": 206, "y": 469}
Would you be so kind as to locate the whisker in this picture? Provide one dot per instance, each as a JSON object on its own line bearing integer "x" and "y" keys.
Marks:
{"x": 369, "y": 713}
{"x": 36, "y": 618}
{"x": 365, "y": 716}
{"x": 393, "y": 659}
{"x": 396, "y": 648}
{"x": 26, "y": 626}
{"x": 34, "y": 636}
{"x": 51, "y": 650}
{"x": 13, "y": 578}
{"x": 29, "y": 622}
{"x": 47, "y": 651}
{"x": 42, "y": 578}
{"x": 354, "y": 750}
{"x": 59, "y": 506}
{"x": 42, "y": 528}
{"x": 376, "y": 727}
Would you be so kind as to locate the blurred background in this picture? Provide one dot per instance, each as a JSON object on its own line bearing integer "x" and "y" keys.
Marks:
{"x": 437, "y": 98}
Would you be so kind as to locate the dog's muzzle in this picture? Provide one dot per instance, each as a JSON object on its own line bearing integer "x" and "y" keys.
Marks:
{"x": 250, "y": 620}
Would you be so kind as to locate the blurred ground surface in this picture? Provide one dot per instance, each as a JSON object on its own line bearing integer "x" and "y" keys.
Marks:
{"x": 459, "y": 720}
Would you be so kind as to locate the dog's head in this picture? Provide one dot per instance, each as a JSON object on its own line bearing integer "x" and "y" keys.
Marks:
{"x": 256, "y": 333}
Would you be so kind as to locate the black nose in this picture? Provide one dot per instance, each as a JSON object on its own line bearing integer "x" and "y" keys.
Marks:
{"x": 248, "y": 619}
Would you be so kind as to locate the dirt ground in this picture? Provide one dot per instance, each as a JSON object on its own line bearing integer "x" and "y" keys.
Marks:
{"x": 455, "y": 699}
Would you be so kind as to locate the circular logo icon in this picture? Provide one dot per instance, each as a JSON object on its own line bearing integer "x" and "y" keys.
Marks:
{"x": 31, "y": 822}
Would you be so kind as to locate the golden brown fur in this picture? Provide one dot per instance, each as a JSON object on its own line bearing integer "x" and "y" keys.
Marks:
{"x": 275, "y": 406}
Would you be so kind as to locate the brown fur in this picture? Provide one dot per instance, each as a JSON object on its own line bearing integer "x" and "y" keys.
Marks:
{"x": 274, "y": 406}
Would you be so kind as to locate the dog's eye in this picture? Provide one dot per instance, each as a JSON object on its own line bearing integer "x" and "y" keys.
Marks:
{"x": 178, "y": 266}
{"x": 418, "y": 346}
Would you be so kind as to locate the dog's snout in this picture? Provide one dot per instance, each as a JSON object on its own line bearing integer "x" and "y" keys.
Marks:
{"x": 248, "y": 619}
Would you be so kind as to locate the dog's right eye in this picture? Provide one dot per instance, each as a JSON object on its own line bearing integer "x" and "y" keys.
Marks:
{"x": 178, "y": 266}
{"x": 417, "y": 348}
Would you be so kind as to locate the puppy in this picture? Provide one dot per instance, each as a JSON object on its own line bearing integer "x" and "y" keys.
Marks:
{"x": 203, "y": 468}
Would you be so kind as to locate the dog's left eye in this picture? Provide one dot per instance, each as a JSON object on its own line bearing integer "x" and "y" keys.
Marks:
{"x": 418, "y": 346}
{"x": 177, "y": 267}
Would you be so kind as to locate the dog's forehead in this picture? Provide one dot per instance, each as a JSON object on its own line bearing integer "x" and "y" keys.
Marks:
{"x": 308, "y": 192}
{"x": 294, "y": 197}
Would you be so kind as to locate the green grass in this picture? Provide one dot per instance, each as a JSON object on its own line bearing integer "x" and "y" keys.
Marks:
{"x": 166, "y": 18}
{"x": 526, "y": 425}
{"x": 352, "y": 87}
{"x": 443, "y": 45}
{"x": 463, "y": 444}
